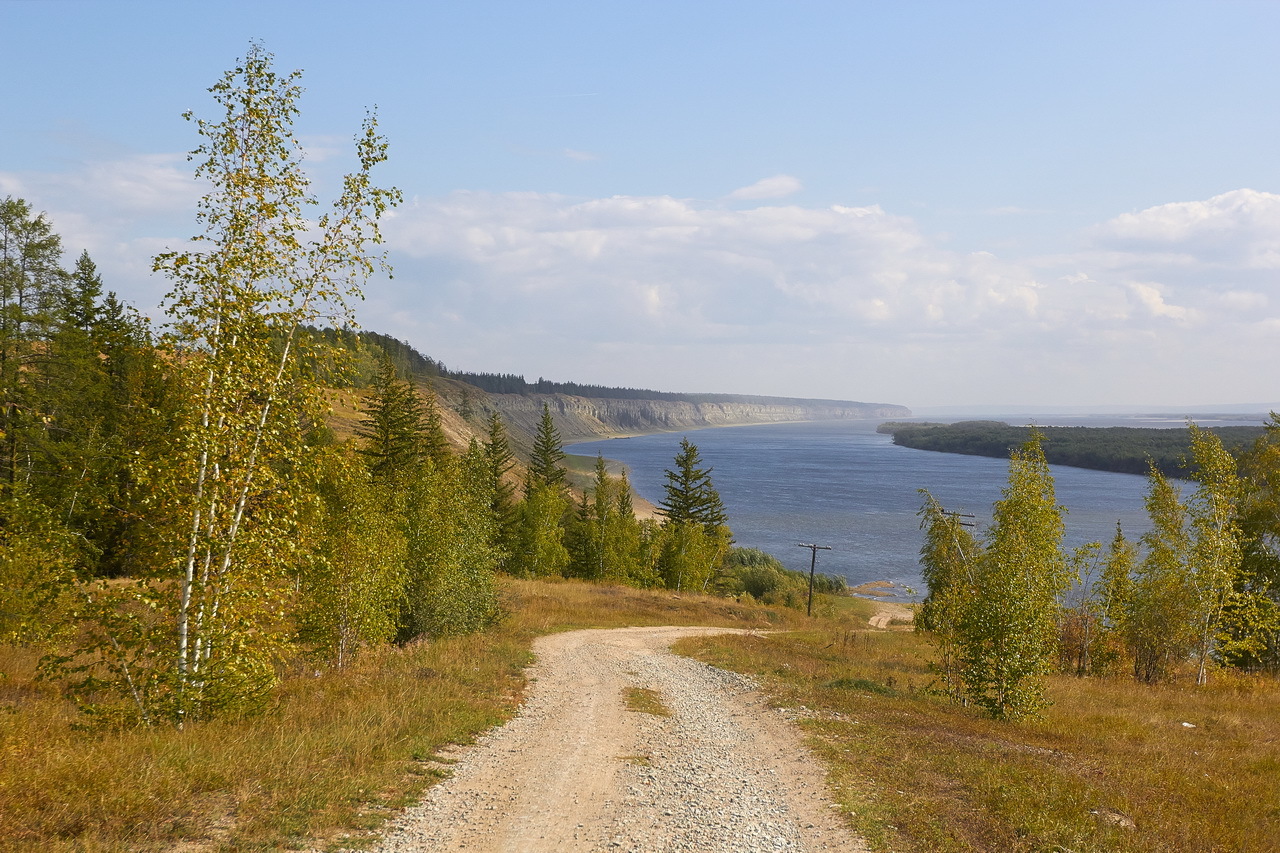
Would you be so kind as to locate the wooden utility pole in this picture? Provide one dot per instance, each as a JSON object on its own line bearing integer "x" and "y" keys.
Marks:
{"x": 813, "y": 564}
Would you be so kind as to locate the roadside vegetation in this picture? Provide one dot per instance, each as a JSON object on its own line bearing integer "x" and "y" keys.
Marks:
{"x": 1110, "y": 764}
{"x": 332, "y": 757}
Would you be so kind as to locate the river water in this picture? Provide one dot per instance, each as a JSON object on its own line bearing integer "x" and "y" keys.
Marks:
{"x": 839, "y": 483}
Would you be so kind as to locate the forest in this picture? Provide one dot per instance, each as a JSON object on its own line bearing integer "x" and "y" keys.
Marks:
{"x": 179, "y": 523}
{"x": 1125, "y": 450}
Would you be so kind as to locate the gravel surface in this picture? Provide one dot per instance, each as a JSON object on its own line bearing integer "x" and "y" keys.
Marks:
{"x": 577, "y": 771}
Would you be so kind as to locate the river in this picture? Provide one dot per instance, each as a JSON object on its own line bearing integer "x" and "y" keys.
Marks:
{"x": 841, "y": 484}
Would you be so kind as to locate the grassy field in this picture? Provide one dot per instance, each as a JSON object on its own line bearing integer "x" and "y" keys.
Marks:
{"x": 337, "y": 754}
{"x": 1111, "y": 766}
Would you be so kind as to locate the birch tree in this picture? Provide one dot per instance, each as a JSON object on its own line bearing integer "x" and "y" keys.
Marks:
{"x": 353, "y": 582}
{"x": 1250, "y": 635}
{"x": 1215, "y": 542}
{"x": 260, "y": 269}
{"x": 1156, "y": 623}
{"x": 1010, "y": 630}
{"x": 948, "y": 564}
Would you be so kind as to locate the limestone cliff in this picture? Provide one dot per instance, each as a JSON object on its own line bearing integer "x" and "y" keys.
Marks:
{"x": 582, "y": 417}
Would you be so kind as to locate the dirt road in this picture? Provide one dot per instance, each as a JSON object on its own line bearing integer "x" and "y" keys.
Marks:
{"x": 577, "y": 771}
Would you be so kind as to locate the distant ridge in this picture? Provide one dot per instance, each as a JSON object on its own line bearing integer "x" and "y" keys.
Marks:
{"x": 413, "y": 364}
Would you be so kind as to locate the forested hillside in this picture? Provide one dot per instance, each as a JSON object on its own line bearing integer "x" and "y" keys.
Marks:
{"x": 188, "y": 514}
{"x": 1127, "y": 450}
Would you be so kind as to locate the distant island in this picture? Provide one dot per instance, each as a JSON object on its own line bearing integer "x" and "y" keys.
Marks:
{"x": 1126, "y": 450}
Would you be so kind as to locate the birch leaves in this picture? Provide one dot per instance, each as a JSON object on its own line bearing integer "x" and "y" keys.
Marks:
{"x": 992, "y": 606}
{"x": 261, "y": 269}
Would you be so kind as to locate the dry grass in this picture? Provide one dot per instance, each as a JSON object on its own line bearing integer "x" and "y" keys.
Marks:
{"x": 916, "y": 773}
{"x": 342, "y": 751}
{"x": 337, "y": 754}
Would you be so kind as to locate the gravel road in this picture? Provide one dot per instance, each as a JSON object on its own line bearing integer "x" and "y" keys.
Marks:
{"x": 576, "y": 771}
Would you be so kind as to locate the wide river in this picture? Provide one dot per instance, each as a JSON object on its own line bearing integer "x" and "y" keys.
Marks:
{"x": 839, "y": 483}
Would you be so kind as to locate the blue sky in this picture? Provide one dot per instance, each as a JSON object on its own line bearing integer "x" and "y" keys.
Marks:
{"x": 924, "y": 203}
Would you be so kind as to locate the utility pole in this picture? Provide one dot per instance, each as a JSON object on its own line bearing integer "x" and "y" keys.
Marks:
{"x": 813, "y": 564}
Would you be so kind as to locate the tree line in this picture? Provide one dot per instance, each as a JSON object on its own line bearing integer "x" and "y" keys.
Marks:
{"x": 1125, "y": 450}
{"x": 178, "y": 522}
{"x": 1199, "y": 591}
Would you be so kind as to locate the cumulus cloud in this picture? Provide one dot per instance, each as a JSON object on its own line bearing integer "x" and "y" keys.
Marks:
{"x": 1238, "y": 230}
{"x": 779, "y": 186}
{"x": 821, "y": 290}
{"x": 1178, "y": 302}
{"x": 665, "y": 266}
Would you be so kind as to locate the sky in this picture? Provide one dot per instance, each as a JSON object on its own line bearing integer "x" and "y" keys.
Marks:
{"x": 933, "y": 204}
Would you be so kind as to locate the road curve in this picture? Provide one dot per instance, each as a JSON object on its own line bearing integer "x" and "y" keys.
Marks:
{"x": 576, "y": 771}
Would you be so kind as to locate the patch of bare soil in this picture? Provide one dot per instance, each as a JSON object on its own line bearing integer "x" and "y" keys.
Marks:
{"x": 887, "y": 613}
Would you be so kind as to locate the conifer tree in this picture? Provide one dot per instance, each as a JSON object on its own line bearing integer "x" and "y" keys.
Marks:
{"x": 500, "y": 460}
{"x": 33, "y": 287}
{"x": 690, "y": 495}
{"x": 548, "y": 453}
{"x": 608, "y": 541}
{"x": 435, "y": 442}
{"x": 393, "y": 427}
{"x": 695, "y": 533}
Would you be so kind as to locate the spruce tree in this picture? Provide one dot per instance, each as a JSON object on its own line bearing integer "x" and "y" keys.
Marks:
{"x": 500, "y": 460}
{"x": 392, "y": 428}
{"x": 435, "y": 442}
{"x": 690, "y": 495}
{"x": 548, "y": 453}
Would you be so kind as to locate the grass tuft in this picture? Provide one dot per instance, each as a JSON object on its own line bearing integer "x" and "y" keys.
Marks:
{"x": 646, "y": 701}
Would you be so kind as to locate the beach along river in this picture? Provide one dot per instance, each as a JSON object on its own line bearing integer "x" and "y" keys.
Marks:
{"x": 841, "y": 484}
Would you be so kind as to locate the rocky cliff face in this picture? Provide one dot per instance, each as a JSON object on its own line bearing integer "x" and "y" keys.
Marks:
{"x": 582, "y": 417}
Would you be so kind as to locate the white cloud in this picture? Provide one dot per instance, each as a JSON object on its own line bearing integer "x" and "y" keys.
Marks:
{"x": 1238, "y": 229}
{"x": 1153, "y": 300}
{"x": 704, "y": 270}
{"x": 706, "y": 293}
{"x": 779, "y": 186}
{"x": 1176, "y": 303}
